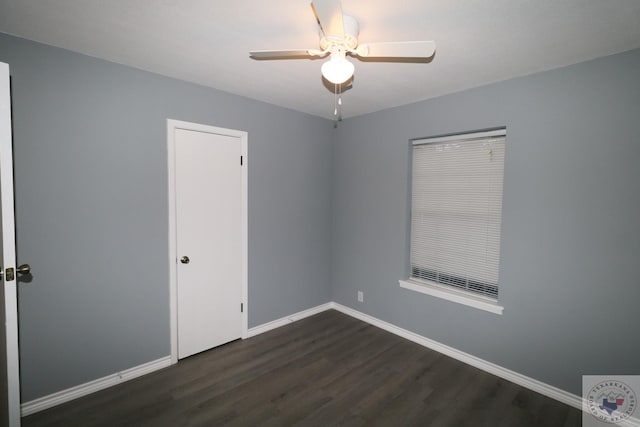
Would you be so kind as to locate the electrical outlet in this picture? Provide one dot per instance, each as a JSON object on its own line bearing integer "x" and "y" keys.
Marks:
{"x": 360, "y": 296}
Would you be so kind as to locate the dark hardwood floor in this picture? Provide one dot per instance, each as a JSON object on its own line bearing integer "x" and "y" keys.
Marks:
{"x": 326, "y": 370}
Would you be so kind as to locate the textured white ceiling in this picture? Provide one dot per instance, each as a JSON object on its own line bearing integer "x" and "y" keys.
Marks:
{"x": 207, "y": 42}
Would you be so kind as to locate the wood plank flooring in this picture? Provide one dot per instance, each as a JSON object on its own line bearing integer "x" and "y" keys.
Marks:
{"x": 326, "y": 370}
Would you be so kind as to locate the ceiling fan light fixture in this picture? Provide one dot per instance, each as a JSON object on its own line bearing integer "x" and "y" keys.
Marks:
{"x": 337, "y": 69}
{"x": 339, "y": 37}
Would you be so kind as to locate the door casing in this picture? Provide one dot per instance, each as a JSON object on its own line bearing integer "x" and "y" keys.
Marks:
{"x": 242, "y": 137}
{"x": 11, "y": 390}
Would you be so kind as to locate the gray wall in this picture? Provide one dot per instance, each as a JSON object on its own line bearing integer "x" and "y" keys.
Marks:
{"x": 91, "y": 205}
{"x": 326, "y": 208}
{"x": 571, "y": 235}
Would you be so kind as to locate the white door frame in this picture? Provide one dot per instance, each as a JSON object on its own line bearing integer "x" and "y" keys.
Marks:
{"x": 9, "y": 288}
{"x": 242, "y": 136}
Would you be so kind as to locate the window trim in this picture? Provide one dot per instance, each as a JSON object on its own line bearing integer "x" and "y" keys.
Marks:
{"x": 459, "y": 296}
{"x": 458, "y": 136}
{"x": 441, "y": 291}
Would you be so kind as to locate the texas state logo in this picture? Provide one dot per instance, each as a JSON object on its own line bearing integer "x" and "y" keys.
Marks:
{"x": 611, "y": 401}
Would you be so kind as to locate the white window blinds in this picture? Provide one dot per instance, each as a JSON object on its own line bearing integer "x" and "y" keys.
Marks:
{"x": 457, "y": 211}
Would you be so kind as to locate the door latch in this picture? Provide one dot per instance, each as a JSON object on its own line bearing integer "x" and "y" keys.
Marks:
{"x": 9, "y": 274}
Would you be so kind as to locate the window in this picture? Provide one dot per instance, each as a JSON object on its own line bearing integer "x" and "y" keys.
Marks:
{"x": 456, "y": 216}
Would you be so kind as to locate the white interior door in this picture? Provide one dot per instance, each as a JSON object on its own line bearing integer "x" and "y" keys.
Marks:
{"x": 10, "y": 388}
{"x": 209, "y": 237}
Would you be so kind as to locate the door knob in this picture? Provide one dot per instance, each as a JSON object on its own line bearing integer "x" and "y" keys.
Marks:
{"x": 24, "y": 269}
{"x": 8, "y": 275}
{"x": 185, "y": 260}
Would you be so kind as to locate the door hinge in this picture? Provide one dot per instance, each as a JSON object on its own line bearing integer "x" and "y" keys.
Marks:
{"x": 241, "y": 160}
{"x": 241, "y": 307}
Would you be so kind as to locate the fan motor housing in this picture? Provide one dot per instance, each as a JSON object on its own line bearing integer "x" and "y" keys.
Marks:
{"x": 350, "y": 39}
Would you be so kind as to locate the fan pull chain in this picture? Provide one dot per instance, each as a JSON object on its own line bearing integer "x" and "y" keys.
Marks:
{"x": 337, "y": 103}
{"x": 337, "y": 100}
{"x": 340, "y": 104}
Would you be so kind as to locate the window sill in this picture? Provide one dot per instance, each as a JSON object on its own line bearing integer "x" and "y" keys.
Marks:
{"x": 451, "y": 295}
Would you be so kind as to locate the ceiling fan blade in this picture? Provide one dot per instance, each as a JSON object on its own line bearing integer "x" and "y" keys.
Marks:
{"x": 329, "y": 16}
{"x": 277, "y": 54}
{"x": 417, "y": 49}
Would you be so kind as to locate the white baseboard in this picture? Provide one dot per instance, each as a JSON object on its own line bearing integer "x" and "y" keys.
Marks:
{"x": 522, "y": 380}
{"x": 111, "y": 380}
{"x": 69, "y": 394}
{"x": 509, "y": 375}
{"x": 257, "y": 330}
{"x": 81, "y": 390}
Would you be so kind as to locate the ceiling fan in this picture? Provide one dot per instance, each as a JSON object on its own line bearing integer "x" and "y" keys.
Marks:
{"x": 339, "y": 38}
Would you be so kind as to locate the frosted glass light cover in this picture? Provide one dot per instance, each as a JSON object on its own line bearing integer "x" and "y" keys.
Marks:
{"x": 337, "y": 70}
